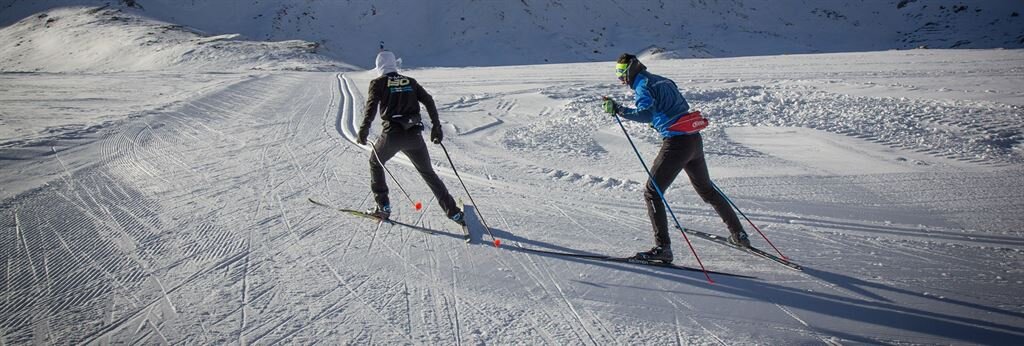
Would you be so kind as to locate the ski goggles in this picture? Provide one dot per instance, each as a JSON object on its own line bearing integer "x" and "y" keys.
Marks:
{"x": 621, "y": 70}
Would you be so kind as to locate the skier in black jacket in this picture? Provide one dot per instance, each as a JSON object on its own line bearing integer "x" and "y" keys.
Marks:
{"x": 397, "y": 99}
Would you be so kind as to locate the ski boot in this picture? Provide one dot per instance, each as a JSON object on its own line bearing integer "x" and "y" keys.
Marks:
{"x": 459, "y": 218}
{"x": 382, "y": 212}
{"x": 657, "y": 253}
{"x": 739, "y": 239}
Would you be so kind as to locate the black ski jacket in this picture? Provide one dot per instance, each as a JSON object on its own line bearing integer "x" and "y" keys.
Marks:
{"x": 398, "y": 98}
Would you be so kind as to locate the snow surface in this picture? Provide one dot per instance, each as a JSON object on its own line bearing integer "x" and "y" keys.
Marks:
{"x": 894, "y": 177}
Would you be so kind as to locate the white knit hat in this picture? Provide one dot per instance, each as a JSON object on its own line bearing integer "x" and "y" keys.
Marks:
{"x": 386, "y": 63}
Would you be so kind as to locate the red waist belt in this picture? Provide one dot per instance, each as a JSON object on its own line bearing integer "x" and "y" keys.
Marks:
{"x": 690, "y": 123}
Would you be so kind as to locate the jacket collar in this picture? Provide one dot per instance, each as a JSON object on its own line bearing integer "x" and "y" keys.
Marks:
{"x": 636, "y": 80}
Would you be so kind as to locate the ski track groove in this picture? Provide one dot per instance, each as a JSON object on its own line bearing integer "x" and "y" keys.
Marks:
{"x": 28, "y": 254}
{"x": 362, "y": 300}
{"x": 290, "y": 317}
{"x": 105, "y": 270}
{"x": 245, "y": 286}
{"x": 809, "y": 328}
{"x": 535, "y": 275}
{"x": 705, "y": 329}
{"x": 223, "y": 235}
{"x": 437, "y": 294}
{"x": 441, "y": 305}
{"x": 585, "y": 229}
{"x": 337, "y": 306}
{"x": 456, "y": 317}
{"x": 572, "y": 308}
{"x": 675, "y": 316}
{"x": 118, "y": 325}
{"x": 455, "y": 296}
{"x": 293, "y": 157}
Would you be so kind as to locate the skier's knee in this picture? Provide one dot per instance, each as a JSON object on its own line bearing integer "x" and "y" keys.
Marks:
{"x": 707, "y": 195}
{"x": 650, "y": 193}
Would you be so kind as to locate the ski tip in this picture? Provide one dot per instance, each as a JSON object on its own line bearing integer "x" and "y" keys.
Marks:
{"x": 497, "y": 243}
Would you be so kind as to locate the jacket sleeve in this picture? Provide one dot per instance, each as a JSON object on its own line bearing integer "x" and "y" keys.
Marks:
{"x": 428, "y": 101}
{"x": 644, "y": 111}
{"x": 372, "y": 101}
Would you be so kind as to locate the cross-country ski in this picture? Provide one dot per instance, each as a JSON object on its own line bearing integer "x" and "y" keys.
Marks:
{"x": 629, "y": 260}
{"x": 748, "y": 249}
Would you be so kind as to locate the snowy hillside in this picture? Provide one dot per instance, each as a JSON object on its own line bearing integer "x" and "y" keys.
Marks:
{"x": 895, "y": 178}
{"x": 475, "y": 33}
{"x": 105, "y": 39}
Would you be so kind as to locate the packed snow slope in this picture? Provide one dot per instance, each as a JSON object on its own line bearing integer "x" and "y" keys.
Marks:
{"x": 895, "y": 178}
{"x": 490, "y": 33}
{"x": 106, "y": 39}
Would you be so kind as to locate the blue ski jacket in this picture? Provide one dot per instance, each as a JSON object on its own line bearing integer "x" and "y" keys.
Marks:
{"x": 658, "y": 102}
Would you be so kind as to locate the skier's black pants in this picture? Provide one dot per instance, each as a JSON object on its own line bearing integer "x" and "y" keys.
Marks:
{"x": 677, "y": 154}
{"x": 411, "y": 144}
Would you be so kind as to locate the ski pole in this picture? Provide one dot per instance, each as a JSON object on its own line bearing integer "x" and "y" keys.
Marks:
{"x": 662, "y": 196}
{"x": 497, "y": 242}
{"x": 415, "y": 204}
{"x": 748, "y": 220}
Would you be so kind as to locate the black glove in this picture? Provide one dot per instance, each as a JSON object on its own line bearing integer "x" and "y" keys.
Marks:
{"x": 363, "y": 133}
{"x": 436, "y": 135}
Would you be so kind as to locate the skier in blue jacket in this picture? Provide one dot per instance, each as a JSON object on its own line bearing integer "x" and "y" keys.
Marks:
{"x": 659, "y": 102}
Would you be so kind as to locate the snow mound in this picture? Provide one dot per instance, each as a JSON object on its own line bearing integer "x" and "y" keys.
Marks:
{"x": 103, "y": 39}
{"x": 979, "y": 132}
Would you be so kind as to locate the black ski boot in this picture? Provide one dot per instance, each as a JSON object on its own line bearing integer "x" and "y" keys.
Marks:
{"x": 657, "y": 253}
{"x": 382, "y": 212}
{"x": 739, "y": 239}
{"x": 459, "y": 218}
